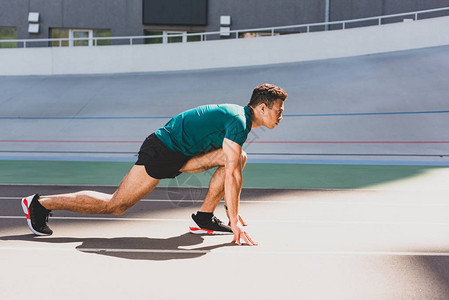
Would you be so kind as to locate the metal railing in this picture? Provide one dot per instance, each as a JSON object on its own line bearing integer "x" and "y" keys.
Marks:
{"x": 271, "y": 31}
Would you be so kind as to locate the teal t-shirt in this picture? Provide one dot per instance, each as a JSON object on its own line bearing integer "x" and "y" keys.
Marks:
{"x": 202, "y": 129}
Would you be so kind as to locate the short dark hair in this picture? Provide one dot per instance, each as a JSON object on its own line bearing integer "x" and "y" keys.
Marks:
{"x": 267, "y": 93}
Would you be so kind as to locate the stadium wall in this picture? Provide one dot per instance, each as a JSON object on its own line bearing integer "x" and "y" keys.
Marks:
{"x": 226, "y": 53}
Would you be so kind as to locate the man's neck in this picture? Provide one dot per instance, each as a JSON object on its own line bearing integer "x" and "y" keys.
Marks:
{"x": 254, "y": 119}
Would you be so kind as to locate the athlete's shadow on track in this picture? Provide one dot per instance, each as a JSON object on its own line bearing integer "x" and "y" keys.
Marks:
{"x": 136, "y": 248}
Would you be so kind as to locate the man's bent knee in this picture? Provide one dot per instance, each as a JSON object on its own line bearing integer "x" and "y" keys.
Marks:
{"x": 244, "y": 157}
{"x": 116, "y": 210}
{"x": 117, "y": 207}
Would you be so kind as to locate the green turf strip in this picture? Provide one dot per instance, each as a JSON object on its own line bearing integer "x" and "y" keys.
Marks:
{"x": 293, "y": 176}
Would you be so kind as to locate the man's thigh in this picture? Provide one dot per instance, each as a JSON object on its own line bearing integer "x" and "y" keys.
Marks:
{"x": 204, "y": 162}
{"x": 134, "y": 187}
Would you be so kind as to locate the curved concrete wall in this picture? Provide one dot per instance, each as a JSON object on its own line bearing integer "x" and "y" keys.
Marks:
{"x": 226, "y": 53}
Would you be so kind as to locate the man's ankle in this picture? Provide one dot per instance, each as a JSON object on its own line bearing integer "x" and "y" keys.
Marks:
{"x": 204, "y": 216}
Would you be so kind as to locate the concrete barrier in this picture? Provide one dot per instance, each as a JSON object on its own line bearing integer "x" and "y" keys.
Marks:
{"x": 226, "y": 53}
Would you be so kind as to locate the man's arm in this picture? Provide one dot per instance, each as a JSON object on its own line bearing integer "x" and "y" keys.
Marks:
{"x": 233, "y": 186}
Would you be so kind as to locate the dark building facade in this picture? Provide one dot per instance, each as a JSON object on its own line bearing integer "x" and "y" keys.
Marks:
{"x": 165, "y": 18}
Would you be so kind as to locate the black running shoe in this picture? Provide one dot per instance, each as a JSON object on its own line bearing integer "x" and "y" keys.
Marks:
{"x": 213, "y": 226}
{"x": 37, "y": 215}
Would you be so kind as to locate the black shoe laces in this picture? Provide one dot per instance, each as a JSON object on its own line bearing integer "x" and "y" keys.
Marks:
{"x": 216, "y": 220}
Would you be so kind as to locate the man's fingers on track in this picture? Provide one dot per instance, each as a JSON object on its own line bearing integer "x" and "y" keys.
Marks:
{"x": 247, "y": 238}
{"x": 242, "y": 222}
{"x": 252, "y": 243}
{"x": 236, "y": 239}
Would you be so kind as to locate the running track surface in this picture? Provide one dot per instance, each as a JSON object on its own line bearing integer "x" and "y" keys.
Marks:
{"x": 388, "y": 243}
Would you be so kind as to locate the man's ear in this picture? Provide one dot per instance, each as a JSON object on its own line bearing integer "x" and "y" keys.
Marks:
{"x": 262, "y": 107}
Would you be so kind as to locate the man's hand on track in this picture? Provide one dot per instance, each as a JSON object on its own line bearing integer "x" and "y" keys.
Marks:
{"x": 240, "y": 234}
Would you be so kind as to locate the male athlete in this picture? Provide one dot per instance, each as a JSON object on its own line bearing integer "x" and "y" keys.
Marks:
{"x": 194, "y": 141}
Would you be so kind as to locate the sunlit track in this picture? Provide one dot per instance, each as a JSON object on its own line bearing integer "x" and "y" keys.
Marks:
{"x": 220, "y": 251}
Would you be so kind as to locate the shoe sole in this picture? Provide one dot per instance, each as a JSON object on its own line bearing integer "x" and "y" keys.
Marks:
{"x": 197, "y": 230}
{"x": 26, "y": 210}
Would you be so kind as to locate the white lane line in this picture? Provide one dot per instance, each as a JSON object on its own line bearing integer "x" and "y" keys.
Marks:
{"x": 336, "y": 202}
{"x": 243, "y": 251}
{"x": 350, "y": 222}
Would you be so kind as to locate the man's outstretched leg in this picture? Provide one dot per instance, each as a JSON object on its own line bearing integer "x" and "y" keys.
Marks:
{"x": 136, "y": 185}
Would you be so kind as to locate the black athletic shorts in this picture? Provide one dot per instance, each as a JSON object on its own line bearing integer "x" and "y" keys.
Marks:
{"x": 159, "y": 161}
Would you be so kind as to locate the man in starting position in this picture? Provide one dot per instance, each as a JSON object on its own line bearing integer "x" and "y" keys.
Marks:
{"x": 194, "y": 141}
